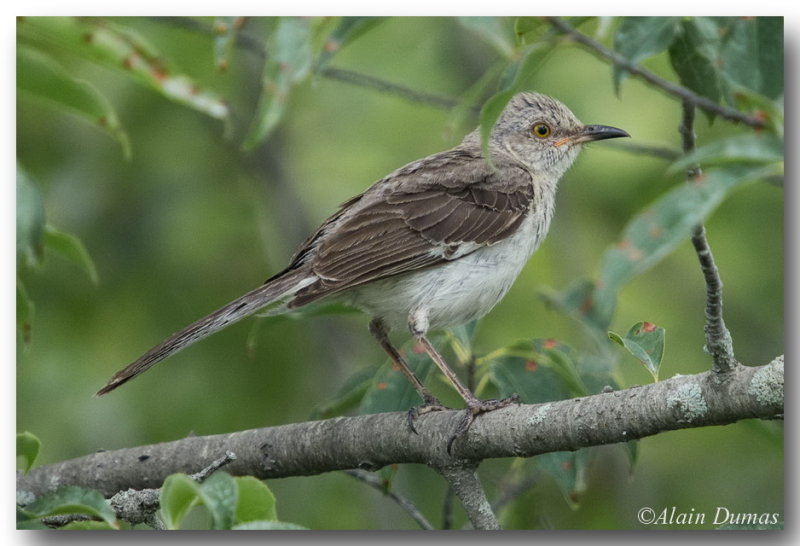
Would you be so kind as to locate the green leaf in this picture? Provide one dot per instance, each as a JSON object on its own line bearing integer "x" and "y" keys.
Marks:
{"x": 28, "y": 521}
{"x": 74, "y": 500}
{"x": 561, "y": 358}
{"x": 43, "y": 79}
{"x": 569, "y": 469}
{"x": 219, "y": 494}
{"x": 574, "y": 301}
{"x": 89, "y": 525}
{"x": 228, "y": 500}
{"x": 28, "y": 446}
{"x": 123, "y": 50}
{"x": 756, "y": 148}
{"x": 496, "y": 31}
{"x": 269, "y": 526}
{"x": 347, "y": 30}
{"x": 718, "y": 56}
{"x": 30, "y": 220}
{"x": 256, "y": 501}
{"x": 25, "y": 312}
{"x": 596, "y": 369}
{"x": 349, "y": 396}
{"x": 632, "y": 451}
{"x": 539, "y": 371}
{"x": 751, "y": 55}
{"x": 461, "y": 338}
{"x": 534, "y": 383}
{"x": 769, "y": 110}
{"x": 226, "y": 29}
{"x": 289, "y": 62}
{"x": 639, "y": 38}
{"x": 178, "y": 494}
{"x": 647, "y": 239}
{"x": 515, "y": 77}
{"x": 529, "y": 30}
{"x": 390, "y": 390}
{"x": 71, "y": 248}
{"x": 695, "y": 54}
{"x": 645, "y": 341}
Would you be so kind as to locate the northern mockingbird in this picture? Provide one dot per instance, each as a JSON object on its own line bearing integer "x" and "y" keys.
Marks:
{"x": 434, "y": 244}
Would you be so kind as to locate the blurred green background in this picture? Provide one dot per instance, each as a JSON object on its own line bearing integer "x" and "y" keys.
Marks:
{"x": 191, "y": 221}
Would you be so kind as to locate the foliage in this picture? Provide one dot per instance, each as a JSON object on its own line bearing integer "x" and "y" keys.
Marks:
{"x": 28, "y": 446}
{"x": 232, "y": 503}
{"x": 68, "y": 500}
{"x": 734, "y": 61}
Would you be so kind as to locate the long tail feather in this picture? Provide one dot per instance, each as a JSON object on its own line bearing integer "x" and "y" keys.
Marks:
{"x": 272, "y": 292}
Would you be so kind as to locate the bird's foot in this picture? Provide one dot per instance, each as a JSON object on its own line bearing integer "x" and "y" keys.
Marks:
{"x": 474, "y": 408}
{"x": 429, "y": 404}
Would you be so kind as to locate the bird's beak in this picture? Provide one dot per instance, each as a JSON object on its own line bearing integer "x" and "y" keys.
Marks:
{"x": 590, "y": 133}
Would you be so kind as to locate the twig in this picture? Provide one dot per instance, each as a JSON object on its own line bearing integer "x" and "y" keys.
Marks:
{"x": 463, "y": 478}
{"x": 252, "y": 44}
{"x": 141, "y": 505}
{"x": 671, "y": 88}
{"x": 383, "y": 86}
{"x": 215, "y": 465}
{"x": 718, "y": 339}
{"x": 406, "y": 504}
{"x": 654, "y": 150}
{"x": 512, "y": 492}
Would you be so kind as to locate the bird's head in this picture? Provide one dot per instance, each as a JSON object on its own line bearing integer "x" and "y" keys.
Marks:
{"x": 543, "y": 134}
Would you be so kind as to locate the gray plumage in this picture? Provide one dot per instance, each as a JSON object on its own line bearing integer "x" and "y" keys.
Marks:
{"x": 434, "y": 244}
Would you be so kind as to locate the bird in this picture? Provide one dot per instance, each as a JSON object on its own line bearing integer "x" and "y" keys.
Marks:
{"x": 433, "y": 245}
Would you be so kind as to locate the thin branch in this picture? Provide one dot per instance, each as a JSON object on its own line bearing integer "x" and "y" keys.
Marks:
{"x": 719, "y": 343}
{"x": 515, "y": 490}
{"x": 654, "y": 150}
{"x": 405, "y": 503}
{"x": 383, "y": 86}
{"x": 676, "y": 90}
{"x": 252, "y": 44}
{"x": 215, "y": 465}
{"x": 463, "y": 478}
{"x": 374, "y": 441}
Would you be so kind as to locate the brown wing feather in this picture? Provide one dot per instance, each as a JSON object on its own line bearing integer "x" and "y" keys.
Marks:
{"x": 407, "y": 222}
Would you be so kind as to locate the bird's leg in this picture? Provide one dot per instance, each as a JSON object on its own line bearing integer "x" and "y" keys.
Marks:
{"x": 475, "y": 406}
{"x": 429, "y": 402}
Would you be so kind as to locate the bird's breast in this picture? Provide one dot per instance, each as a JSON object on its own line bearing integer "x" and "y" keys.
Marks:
{"x": 457, "y": 291}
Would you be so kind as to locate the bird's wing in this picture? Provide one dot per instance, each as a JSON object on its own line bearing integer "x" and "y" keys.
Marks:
{"x": 429, "y": 212}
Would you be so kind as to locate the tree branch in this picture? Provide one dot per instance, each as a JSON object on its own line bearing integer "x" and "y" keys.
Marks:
{"x": 719, "y": 343}
{"x": 405, "y": 504}
{"x": 372, "y": 441}
{"x": 463, "y": 478}
{"x": 671, "y": 88}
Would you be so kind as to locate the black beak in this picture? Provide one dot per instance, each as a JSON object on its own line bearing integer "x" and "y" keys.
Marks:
{"x": 591, "y": 133}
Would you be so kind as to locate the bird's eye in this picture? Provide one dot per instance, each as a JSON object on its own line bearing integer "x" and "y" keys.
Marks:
{"x": 540, "y": 130}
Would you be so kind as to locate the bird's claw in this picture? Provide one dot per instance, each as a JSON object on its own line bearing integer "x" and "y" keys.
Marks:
{"x": 429, "y": 404}
{"x": 474, "y": 408}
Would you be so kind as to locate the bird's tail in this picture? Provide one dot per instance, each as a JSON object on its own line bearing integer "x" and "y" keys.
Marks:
{"x": 275, "y": 291}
